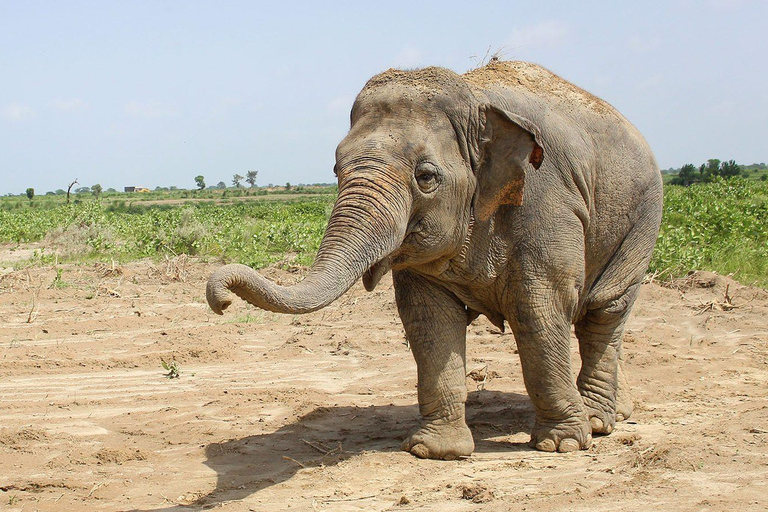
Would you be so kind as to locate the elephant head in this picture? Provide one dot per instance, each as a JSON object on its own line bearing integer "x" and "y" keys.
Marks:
{"x": 427, "y": 157}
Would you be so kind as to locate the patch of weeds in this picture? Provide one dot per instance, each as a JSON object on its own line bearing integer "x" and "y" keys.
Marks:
{"x": 12, "y": 500}
{"x": 58, "y": 283}
{"x": 172, "y": 367}
{"x": 249, "y": 319}
{"x": 80, "y": 238}
{"x": 189, "y": 234}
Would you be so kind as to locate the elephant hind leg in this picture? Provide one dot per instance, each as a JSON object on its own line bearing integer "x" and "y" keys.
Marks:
{"x": 602, "y": 381}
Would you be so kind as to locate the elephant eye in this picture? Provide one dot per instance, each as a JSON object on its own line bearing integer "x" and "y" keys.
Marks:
{"x": 427, "y": 177}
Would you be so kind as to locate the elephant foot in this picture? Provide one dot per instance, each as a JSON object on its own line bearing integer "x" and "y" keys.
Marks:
{"x": 604, "y": 413}
{"x": 567, "y": 436}
{"x": 441, "y": 440}
{"x": 623, "y": 413}
{"x": 604, "y": 423}
{"x": 601, "y": 421}
{"x": 601, "y": 426}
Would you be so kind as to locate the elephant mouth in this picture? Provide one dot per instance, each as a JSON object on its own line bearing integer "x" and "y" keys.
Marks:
{"x": 374, "y": 274}
{"x": 396, "y": 258}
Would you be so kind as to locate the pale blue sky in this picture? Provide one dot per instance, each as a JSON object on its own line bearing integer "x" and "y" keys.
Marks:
{"x": 155, "y": 93}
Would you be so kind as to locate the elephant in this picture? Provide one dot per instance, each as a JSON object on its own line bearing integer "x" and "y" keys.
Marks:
{"x": 506, "y": 192}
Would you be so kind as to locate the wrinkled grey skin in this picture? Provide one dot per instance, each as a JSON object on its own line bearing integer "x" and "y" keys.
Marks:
{"x": 506, "y": 192}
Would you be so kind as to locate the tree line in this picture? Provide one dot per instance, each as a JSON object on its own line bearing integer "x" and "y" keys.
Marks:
{"x": 250, "y": 178}
{"x": 689, "y": 174}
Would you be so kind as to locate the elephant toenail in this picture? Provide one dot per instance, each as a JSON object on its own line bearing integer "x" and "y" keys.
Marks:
{"x": 420, "y": 451}
{"x": 596, "y": 424}
{"x": 568, "y": 445}
{"x": 546, "y": 445}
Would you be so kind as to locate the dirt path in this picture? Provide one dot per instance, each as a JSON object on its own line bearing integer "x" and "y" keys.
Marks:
{"x": 273, "y": 412}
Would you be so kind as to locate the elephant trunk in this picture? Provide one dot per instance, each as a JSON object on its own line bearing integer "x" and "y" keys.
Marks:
{"x": 367, "y": 224}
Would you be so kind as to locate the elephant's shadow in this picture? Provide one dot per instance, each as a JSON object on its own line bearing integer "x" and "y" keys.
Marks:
{"x": 329, "y": 435}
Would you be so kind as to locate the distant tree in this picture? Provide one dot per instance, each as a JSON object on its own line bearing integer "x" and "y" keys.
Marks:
{"x": 288, "y": 186}
{"x": 686, "y": 176}
{"x": 250, "y": 177}
{"x": 30, "y": 193}
{"x": 200, "y": 180}
{"x": 69, "y": 188}
{"x": 59, "y": 192}
{"x": 96, "y": 190}
{"x": 710, "y": 170}
{"x": 82, "y": 190}
{"x": 110, "y": 189}
{"x": 221, "y": 185}
{"x": 50, "y": 193}
{"x": 764, "y": 177}
{"x": 236, "y": 179}
{"x": 729, "y": 169}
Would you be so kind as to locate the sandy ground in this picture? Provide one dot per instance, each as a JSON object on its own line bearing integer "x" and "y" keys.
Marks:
{"x": 275, "y": 412}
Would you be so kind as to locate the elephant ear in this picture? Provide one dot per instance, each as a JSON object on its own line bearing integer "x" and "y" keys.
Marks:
{"x": 509, "y": 145}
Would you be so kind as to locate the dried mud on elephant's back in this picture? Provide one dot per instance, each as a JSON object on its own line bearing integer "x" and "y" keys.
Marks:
{"x": 271, "y": 411}
{"x": 537, "y": 80}
{"x": 429, "y": 81}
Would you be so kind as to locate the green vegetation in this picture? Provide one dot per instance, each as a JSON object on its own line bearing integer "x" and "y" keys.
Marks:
{"x": 172, "y": 367}
{"x": 720, "y": 226}
{"x": 256, "y": 232}
{"x": 58, "y": 282}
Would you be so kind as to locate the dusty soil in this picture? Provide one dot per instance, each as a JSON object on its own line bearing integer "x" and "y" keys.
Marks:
{"x": 273, "y": 412}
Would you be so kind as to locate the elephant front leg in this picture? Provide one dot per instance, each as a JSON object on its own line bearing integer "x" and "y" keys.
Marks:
{"x": 436, "y": 328}
{"x": 542, "y": 332}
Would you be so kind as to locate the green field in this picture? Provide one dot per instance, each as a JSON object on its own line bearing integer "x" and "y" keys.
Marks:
{"x": 720, "y": 226}
{"x": 257, "y": 231}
